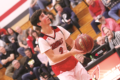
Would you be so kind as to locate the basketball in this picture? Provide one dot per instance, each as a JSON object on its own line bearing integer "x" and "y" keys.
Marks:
{"x": 84, "y": 42}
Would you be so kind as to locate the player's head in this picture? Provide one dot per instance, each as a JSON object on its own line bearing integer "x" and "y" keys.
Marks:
{"x": 28, "y": 52}
{"x": 90, "y": 2}
{"x": 107, "y": 32}
{"x": 100, "y": 40}
{"x": 58, "y": 7}
{"x": 40, "y": 19}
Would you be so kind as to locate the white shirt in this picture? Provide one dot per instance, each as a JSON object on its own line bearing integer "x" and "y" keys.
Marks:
{"x": 57, "y": 44}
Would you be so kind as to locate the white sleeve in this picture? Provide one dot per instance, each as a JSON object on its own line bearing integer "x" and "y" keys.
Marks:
{"x": 43, "y": 45}
{"x": 65, "y": 32}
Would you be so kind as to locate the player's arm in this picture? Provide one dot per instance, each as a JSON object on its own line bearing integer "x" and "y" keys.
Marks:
{"x": 70, "y": 41}
{"x": 58, "y": 57}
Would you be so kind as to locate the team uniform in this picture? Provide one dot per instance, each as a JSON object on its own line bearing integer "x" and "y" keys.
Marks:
{"x": 69, "y": 68}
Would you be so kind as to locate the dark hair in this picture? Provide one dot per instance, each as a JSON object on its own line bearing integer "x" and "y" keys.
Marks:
{"x": 43, "y": 74}
{"x": 35, "y": 32}
{"x": 35, "y": 17}
{"x": 103, "y": 28}
{"x": 28, "y": 49}
{"x": 27, "y": 34}
{"x": 38, "y": 29}
{"x": 12, "y": 30}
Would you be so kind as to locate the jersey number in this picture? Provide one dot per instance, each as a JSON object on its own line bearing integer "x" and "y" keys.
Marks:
{"x": 61, "y": 50}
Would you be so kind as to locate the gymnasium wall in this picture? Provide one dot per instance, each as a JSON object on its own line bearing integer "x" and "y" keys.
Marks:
{"x": 13, "y": 13}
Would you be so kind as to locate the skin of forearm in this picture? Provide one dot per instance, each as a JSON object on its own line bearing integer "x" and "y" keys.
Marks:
{"x": 57, "y": 58}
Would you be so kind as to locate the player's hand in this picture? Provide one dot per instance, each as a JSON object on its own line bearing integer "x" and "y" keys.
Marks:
{"x": 75, "y": 51}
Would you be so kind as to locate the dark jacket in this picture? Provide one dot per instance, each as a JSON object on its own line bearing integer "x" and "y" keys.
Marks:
{"x": 19, "y": 72}
{"x": 36, "y": 62}
{"x": 5, "y": 57}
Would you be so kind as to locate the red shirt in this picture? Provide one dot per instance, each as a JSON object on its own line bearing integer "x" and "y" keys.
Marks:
{"x": 30, "y": 42}
{"x": 96, "y": 9}
{"x": 111, "y": 24}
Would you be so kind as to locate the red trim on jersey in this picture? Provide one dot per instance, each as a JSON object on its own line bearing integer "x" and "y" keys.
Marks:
{"x": 57, "y": 29}
{"x": 65, "y": 65}
{"x": 45, "y": 37}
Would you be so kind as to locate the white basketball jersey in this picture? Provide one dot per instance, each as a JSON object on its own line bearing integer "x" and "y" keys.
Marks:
{"x": 56, "y": 43}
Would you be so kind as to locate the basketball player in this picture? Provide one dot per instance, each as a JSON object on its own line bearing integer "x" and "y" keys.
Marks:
{"x": 52, "y": 42}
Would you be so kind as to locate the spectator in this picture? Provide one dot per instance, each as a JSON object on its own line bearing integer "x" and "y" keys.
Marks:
{"x": 100, "y": 40}
{"x": 38, "y": 30}
{"x": 63, "y": 3}
{"x": 33, "y": 65}
{"x": 109, "y": 23}
{"x": 67, "y": 16}
{"x": 114, "y": 6}
{"x": 21, "y": 40}
{"x": 30, "y": 39}
{"x": 43, "y": 58}
{"x": 37, "y": 4}
{"x": 3, "y": 34}
{"x": 55, "y": 20}
{"x": 82, "y": 59}
{"x": 44, "y": 76}
{"x": 113, "y": 38}
{"x": 20, "y": 70}
{"x": 12, "y": 37}
{"x": 35, "y": 41}
{"x": 6, "y": 58}
{"x": 96, "y": 8}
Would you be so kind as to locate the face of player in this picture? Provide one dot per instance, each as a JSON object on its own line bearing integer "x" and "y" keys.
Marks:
{"x": 101, "y": 41}
{"x": 2, "y": 50}
{"x": 102, "y": 20}
{"x": 108, "y": 32}
{"x": 59, "y": 8}
{"x": 28, "y": 53}
{"x": 90, "y": 2}
{"x": 10, "y": 31}
{"x": 44, "y": 20}
{"x": 16, "y": 65}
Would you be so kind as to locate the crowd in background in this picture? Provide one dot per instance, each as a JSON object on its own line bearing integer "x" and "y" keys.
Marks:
{"x": 33, "y": 64}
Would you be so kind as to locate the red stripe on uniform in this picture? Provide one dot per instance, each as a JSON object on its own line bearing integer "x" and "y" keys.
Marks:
{"x": 12, "y": 9}
{"x": 57, "y": 29}
{"x": 45, "y": 37}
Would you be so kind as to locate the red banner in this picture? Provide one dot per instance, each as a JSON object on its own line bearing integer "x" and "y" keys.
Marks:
{"x": 108, "y": 69}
